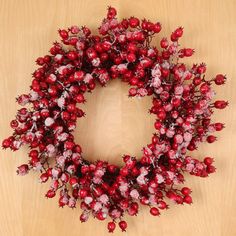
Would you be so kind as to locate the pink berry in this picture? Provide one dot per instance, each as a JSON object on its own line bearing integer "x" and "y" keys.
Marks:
{"x": 23, "y": 169}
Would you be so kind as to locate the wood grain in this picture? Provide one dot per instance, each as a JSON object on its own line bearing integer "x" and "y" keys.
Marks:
{"x": 115, "y": 124}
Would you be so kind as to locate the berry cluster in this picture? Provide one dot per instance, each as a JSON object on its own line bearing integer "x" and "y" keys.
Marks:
{"x": 182, "y": 104}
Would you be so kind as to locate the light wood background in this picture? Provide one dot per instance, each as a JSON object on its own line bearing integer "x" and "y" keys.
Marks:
{"x": 116, "y": 125}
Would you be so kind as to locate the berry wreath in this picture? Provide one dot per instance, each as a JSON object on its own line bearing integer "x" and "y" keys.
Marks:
{"x": 182, "y": 104}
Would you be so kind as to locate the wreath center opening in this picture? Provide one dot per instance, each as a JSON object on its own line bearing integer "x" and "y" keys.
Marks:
{"x": 114, "y": 124}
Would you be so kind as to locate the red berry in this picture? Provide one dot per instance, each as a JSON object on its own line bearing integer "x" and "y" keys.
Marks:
{"x": 44, "y": 177}
{"x": 150, "y": 26}
{"x": 219, "y": 126}
{"x": 162, "y": 205}
{"x": 176, "y": 102}
{"x": 6, "y": 143}
{"x": 91, "y": 85}
{"x": 123, "y": 225}
{"x": 188, "y": 52}
{"x": 132, "y": 47}
{"x": 164, "y": 43}
{"x": 40, "y": 61}
{"x": 134, "y": 81}
{"x": 201, "y": 69}
{"x": 65, "y": 115}
{"x": 133, "y": 22}
{"x": 178, "y": 32}
{"x": 91, "y": 53}
{"x": 220, "y": 79}
{"x": 158, "y": 125}
{"x": 188, "y": 199}
{"x": 124, "y": 171}
{"x": 204, "y": 88}
{"x": 156, "y": 28}
{"x": 68, "y": 145}
{"x": 33, "y": 153}
{"x": 71, "y": 107}
{"x": 86, "y": 31}
{"x": 80, "y": 98}
{"x": 161, "y": 115}
{"x": 111, "y": 13}
{"x": 72, "y": 55}
{"x": 64, "y": 34}
{"x": 83, "y": 193}
{"x": 106, "y": 46}
{"x": 174, "y": 38}
{"x": 84, "y": 169}
{"x": 210, "y": 169}
{"x": 211, "y": 139}
{"x": 197, "y": 81}
{"x": 220, "y": 104}
{"x": 111, "y": 227}
{"x": 79, "y": 75}
{"x": 132, "y": 92}
{"x": 101, "y": 215}
{"x": 186, "y": 191}
{"x": 208, "y": 160}
{"x": 154, "y": 211}
{"x": 131, "y": 57}
{"x": 50, "y": 194}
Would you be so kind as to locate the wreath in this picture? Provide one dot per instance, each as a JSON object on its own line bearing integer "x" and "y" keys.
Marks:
{"x": 182, "y": 104}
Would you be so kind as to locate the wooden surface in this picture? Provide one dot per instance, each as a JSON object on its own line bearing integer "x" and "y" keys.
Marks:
{"x": 115, "y": 124}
